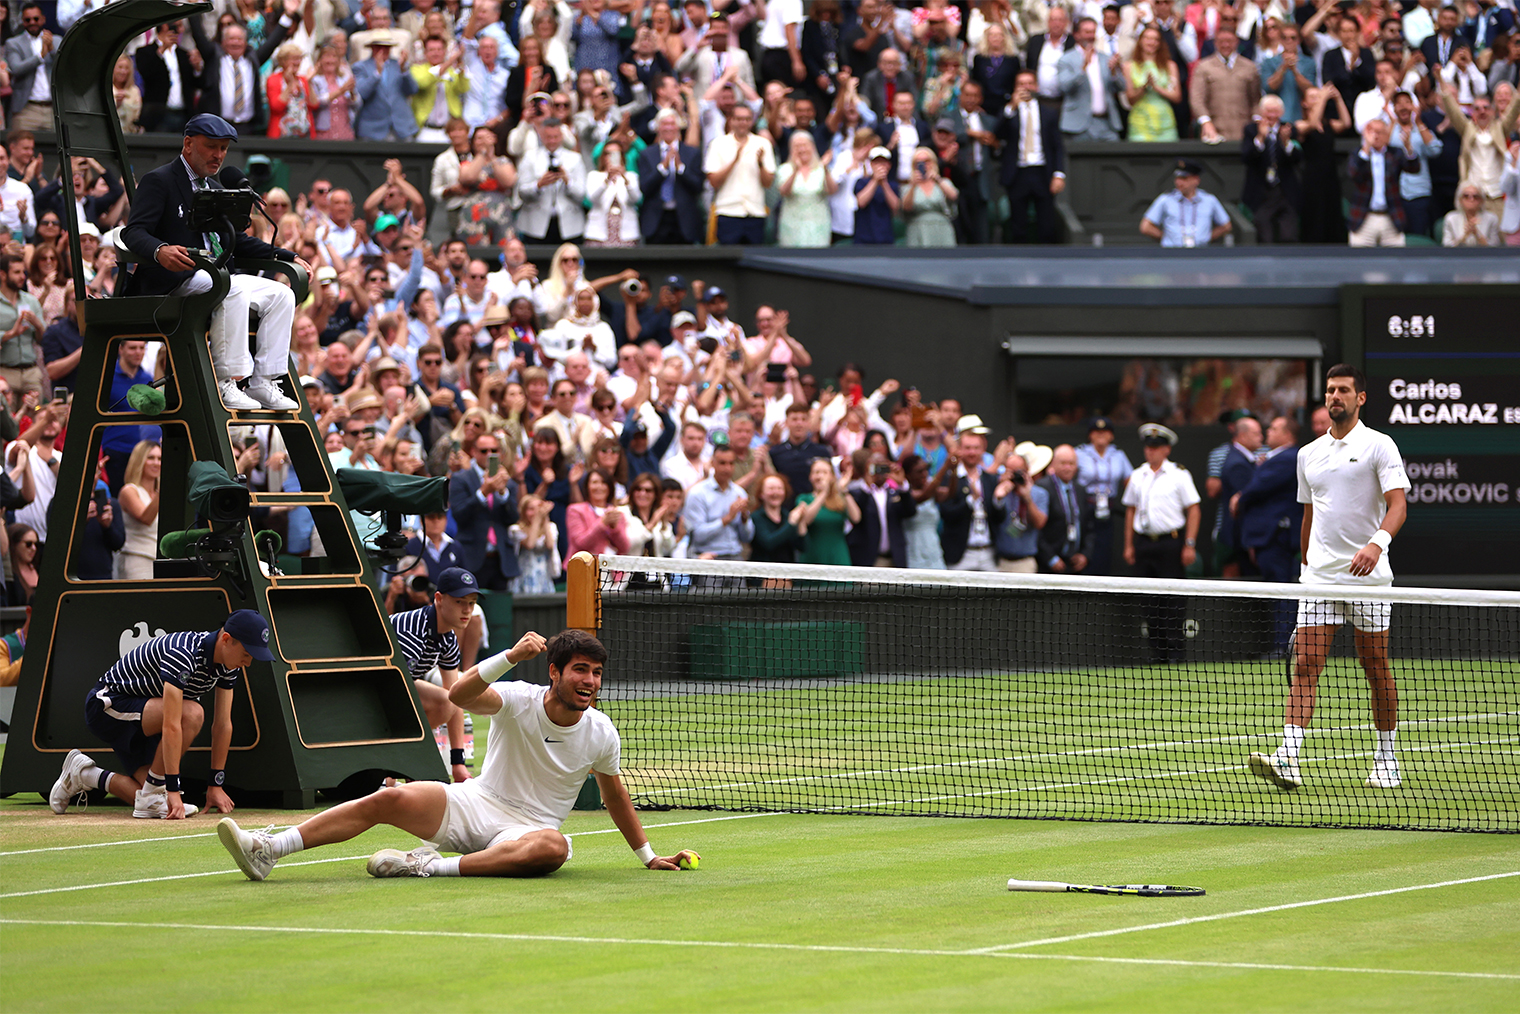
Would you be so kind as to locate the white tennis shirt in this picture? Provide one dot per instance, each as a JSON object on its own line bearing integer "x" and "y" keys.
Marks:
{"x": 1344, "y": 481}
{"x": 536, "y": 768}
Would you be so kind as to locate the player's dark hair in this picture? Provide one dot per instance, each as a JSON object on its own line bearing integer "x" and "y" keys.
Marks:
{"x": 1358, "y": 380}
{"x": 565, "y": 645}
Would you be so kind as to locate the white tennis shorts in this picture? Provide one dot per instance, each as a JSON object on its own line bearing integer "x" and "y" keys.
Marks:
{"x": 1368, "y": 617}
{"x": 474, "y": 821}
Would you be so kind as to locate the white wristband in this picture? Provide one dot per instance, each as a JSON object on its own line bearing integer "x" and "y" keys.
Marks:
{"x": 494, "y": 668}
{"x": 645, "y": 852}
{"x": 1381, "y": 539}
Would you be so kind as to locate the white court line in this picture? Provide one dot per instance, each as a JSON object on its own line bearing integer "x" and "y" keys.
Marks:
{"x": 1244, "y": 912}
{"x": 315, "y": 862}
{"x": 746, "y": 945}
{"x": 108, "y": 844}
{"x": 1019, "y": 758}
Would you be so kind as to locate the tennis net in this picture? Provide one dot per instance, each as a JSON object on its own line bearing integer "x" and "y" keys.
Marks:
{"x": 741, "y": 686}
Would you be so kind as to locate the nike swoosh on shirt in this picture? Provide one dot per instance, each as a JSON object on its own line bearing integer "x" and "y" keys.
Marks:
{"x": 548, "y": 740}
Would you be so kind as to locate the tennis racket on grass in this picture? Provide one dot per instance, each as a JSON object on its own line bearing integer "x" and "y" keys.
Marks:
{"x": 1137, "y": 890}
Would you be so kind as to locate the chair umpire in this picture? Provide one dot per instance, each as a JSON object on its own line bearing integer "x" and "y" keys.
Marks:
{"x": 159, "y": 231}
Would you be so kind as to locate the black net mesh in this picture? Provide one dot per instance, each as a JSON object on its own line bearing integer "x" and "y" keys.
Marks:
{"x": 758, "y": 688}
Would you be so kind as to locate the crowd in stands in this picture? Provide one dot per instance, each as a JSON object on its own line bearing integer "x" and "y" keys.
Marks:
{"x": 925, "y": 122}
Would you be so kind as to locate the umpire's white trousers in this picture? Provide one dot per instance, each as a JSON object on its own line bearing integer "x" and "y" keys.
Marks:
{"x": 229, "y": 325}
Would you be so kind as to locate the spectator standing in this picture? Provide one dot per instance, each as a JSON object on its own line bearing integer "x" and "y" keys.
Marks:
{"x": 1470, "y": 224}
{"x": 670, "y": 174}
{"x": 30, "y": 55}
{"x": 596, "y": 525}
{"x": 1287, "y": 74}
{"x": 551, "y": 184}
{"x": 102, "y": 536}
{"x": 24, "y": 546}
{"x": 1377, "y": 211}
{"x": 996, "y": 66}
{"x": 820, "y": 515}
{"x": 1188, "y": 215}
{"x": 1235, "y": 474}
{"x": 1224, "y": 88}
{"x": 1325, "y": 115}
{"x": 1024, "y": 504}
{"x": 1412, "y": 136}
{"x": 536, "y": 539}
{"x": 288, "y": 95}
{"x": 740, "y": 165}
{"x": 36, "y": 449}
{"x": 384, "y": 86}
{"x": 333, "y": 93}
{"x": 972, "y": 512}
{"x": 1102, "y": 472}
{"x": 21, "y": 330}
{"x": 169, "y": 80}
{"x": 62, "y": 342}
{"x": 1485, "y": 140}
{"x": 713, "y": 56}
{"x": 483, "y": 502}
{"x": 1034, "y": 161}
{"x": 614, "y": 196}
{"x": 889, "y": 78}
{"x": 928, "y": 203}
{"x": 119, "y": 442}
{"x": 18, "y": 217}
{"x": 139, "y": 502}
{"x": 595, "y": 34}
{"x": 1349, "y": 68}
{"x": 486, "y": 78}
{"x": 1271, "y": 188}
{"x": 776, "y": 539}
{"x": 1509, "y": 182}
{"x": 1270, "y": 518}
{"x": 805, "y": 187}
{"x": 1043, "y": 55}
{"x": 1161, "y": 520}
{"x": 921, "y": 529}
{"x": 1090, "y": 88}
{"x": 1066, "y": 539}
{"x": 441, "y": 89}
{"x": 717, "y": 512}
{"x": 1377, "y": 102}
{"x": 230, "y": 75}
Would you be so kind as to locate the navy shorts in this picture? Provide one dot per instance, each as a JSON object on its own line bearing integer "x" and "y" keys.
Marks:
{"x": 123, "y": 735}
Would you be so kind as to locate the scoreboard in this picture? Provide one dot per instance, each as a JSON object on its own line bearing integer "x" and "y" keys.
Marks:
{"x": 1443, "y": 379}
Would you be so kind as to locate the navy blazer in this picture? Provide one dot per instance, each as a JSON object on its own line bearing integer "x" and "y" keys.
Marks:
{"x": 210, "y": 79}
{"x": 161, "y": 215}
{"x": 1052, "y": 539}
{"x": 1238, "y": 471}
{"x": 688, "y": 191}
{"x": 1051, "y": 142}
{"x": 955, "y": 515}
{"x": 864, "y": 539}
{"x": 1269, "y": 503}
{"x": 1269, "y": 156}
{"x": 473, "y": 520}
{"x": 996, "y": 80}
{"x": 1350, "y": 83}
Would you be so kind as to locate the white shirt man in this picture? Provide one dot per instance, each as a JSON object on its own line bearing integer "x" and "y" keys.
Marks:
{"x": 1160, "y": 497}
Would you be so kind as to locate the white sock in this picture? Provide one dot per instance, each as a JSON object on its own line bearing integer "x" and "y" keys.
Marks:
{"x": 1293, "y": 738}
{"x": 1385, "y": 742}
{"x": 442, "y": 867}
{"x": 286, "y": 842}
{"x": 155, "y": 782}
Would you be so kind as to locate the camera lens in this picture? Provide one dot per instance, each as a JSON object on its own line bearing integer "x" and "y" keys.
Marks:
{"x": 420, "y": 584}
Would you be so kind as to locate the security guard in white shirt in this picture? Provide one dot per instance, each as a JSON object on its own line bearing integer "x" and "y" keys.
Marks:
{"x": 1161, "y": 518}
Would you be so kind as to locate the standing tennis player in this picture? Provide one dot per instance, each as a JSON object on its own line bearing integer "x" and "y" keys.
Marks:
{"x": 1351, "y": 482}
{"x": 542, "y": 743}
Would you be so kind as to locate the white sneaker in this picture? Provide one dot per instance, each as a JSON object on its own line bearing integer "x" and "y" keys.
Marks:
{"x": 152, "y": 803}
{"x": 1385, "y": 773}
{"x": 251, "y": 849}
{"x": 69, "y": 784}
{"x": 1276, "y": 769}
{"x": 235, "y": 399}
{"x": 266, "y": 391}
{"x": 396, "y": 863}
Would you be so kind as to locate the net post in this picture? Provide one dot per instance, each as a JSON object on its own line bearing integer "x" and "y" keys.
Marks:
{"x": 582, "y": 593}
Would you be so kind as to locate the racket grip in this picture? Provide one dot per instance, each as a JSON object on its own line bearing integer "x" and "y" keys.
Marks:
{"x": 1037, "y": 885}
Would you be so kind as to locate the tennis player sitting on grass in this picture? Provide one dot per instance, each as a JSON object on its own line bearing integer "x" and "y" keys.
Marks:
{"x": 146, "y": 708}
{"x": 506, "y": 822}
{"x": 1352, "y": 484}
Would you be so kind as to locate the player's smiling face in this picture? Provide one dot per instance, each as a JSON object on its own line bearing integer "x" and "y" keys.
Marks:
{"x": 576, "y": 685}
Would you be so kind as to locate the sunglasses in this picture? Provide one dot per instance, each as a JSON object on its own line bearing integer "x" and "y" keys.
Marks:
{"x": 367, "y": 432}
{"x": 28, "y": 543}
{"x": 485, "y": 450}
{"x": 324, "y": 190}
{"x": 431, "y": 362}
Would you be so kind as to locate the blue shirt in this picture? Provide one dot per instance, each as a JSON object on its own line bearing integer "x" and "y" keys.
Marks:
{"x": 596, "y": 45}
{"x": 705, "y": 506}
{"x": 1379, "y": 200}
{"x": 1415, "y": 185}
{"x": 1016, "y": 536}
{"x": 1180, "y": 217}
{"x": 873, "y": 223}
{"x": 1102, "y": 478}
{"x": 119, "y": 440}
{"x": 1293, "y": 101}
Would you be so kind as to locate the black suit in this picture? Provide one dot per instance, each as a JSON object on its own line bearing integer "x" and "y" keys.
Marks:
{"x": 996, "y": 81}
{"x": 865, "y": 538}
{"x": 160, "y": 216}
{"x": 1032, "y": 58}
{"x": 684, "y": 223}
{"x": 1271, "y": 188}
{"x": 1053, "y": 541}
{"x": 956, "y": 514}
{"x": 1349, "y": 82}
{"x": 1431, "y": 47}
{"x": 211, "y": 73}
{"x": 157, "y": 84}
{"x": 1028, "y": 185}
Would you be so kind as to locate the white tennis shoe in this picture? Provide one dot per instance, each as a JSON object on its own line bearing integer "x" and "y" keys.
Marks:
{"x": 396, "y": 863}
{"x": 1277, "y": 769}
{"x": 152, "y": 803}
{"x": 234, "y": 398}
{"x": 1385, "y": 773}
{"x": 251, "y": 849}
{"x": 266, "y": 391}
{"x": 69, "y": 783}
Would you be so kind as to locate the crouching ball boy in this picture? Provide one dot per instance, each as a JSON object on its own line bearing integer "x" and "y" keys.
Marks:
{"x": 506, "y": 822}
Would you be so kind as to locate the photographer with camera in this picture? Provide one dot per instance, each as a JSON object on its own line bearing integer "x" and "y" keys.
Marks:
{"x": 159, "y": 233}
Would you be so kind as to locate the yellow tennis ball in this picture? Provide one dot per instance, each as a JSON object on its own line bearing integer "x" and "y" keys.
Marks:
{"x": 688, "y": 860}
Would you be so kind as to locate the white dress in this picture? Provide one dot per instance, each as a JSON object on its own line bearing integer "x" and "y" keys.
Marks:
{"x": 134, "y": 561}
